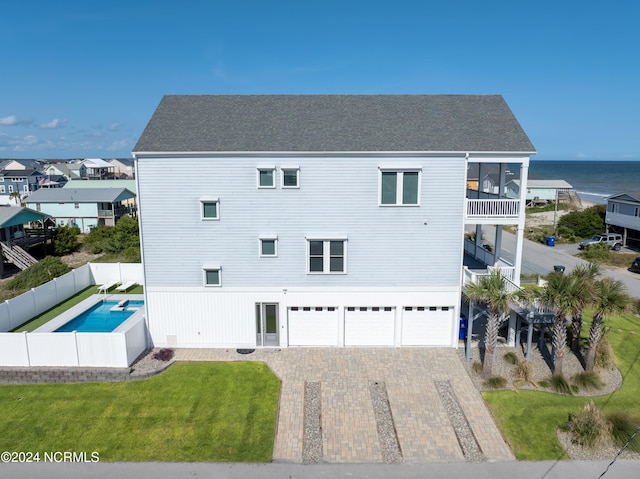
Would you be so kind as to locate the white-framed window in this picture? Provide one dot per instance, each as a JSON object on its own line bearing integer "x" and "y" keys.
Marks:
{"x": 25, "y": 188}
{"x": 212, "y": 275}
{"x": 326, "y": 256}
{"x": 17, "y": 180}
{"x": 76, "y": 205}
{"x": 209, "y": 209}
{"x": 636, "y": 211}
{"x": 399, "y": 187}
{"x": 266, "y": 176}
{"x": 10, "y": 188}
{"x": 614, "y": 207}
{"x": 2, "y": 190}
{"x": 268, "y": 246}
{"x": 1, "y": 179}
{"x": 290, "y": 176}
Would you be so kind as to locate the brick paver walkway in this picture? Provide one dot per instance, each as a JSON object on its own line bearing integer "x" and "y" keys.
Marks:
{"x": 349, "y": 431}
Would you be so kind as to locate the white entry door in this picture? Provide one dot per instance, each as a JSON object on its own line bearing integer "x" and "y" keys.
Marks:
{"x": 267, "y": 324}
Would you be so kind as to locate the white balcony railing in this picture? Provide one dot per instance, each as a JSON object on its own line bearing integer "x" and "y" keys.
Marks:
{"x": 493, "y": 208}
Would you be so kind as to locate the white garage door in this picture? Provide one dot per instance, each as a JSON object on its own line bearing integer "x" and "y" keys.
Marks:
{"x": 313, "y": 326}
{"x": 427, "y": 326}
{"x": 367, "y": 326}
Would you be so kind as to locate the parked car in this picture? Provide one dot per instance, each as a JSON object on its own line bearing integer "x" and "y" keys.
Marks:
{"x": 612, "y": 239}
{"x": 635, "y": 266}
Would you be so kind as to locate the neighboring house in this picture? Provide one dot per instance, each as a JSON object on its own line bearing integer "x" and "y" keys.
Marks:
{"x": 68, "y": 170}
{"x": 23, "y": 181}
{"x": 96, "y": 169}
{"x": 623, "y": 216}
{"x": 129, "y": 184}
{"x": 124, "y": 167}
{"x": 320, "y": 220}
{"x": 539, "y": 191}
{"x": 20, "y": 165}
{"x": 13, "y": 237}
{"x": 82, "y": 207}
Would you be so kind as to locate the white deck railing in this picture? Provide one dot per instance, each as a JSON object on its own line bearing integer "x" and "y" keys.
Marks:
{"x": 492, "y": 208}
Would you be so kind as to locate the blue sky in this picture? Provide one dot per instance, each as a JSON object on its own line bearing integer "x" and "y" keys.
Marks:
{"x": 81, "y": 79}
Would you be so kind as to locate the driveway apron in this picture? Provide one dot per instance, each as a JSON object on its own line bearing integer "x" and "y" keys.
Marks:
{"x": 427, "y": 425}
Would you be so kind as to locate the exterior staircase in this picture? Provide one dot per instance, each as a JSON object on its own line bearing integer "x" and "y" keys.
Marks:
{"x": 16, "y": 255}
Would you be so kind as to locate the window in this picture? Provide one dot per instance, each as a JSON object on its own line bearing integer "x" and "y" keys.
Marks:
{"x": 212, "y": 276}
{"x": 326, "y": 256}
{"x": 268, "y": 246}
{"x": 290, "y": 177}
{"x": 2, "y": 189}
{"x": 636, "y": 211}
{"x": 399, "y": 188}
{"x": 76, "y": 205}
{"x": 10, "y": 188}
{"x": 614, "y": 207}
{"x": 266, "y": 177}
{"x": 210, "y": 209}
{"x": 25, "y": 188}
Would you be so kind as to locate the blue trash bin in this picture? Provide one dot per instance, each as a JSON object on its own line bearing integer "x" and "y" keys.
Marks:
{"x": 551, "y": 240}
{"x": 464, "y": 323}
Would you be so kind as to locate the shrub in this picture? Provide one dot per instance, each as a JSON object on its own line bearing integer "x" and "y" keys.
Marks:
{"x": 589, "y": 427}
{"x": 588, "y": 380}
{"x": 604, "y": 354}
{"x": 584, "y": 223}
{"x": 41, "y": 272}
{"x": 65, "y": 240}
{"x": 477, "y": 367}
{"x": 596, "y": 253}
{"x": 165, "y": 354}
{"x": 560, "y": 385}
{"x": 524, "y": 372}
{"x": 623, "y": 427}
{"x": 495, "y": 382}
{"x": 511, "y": 357}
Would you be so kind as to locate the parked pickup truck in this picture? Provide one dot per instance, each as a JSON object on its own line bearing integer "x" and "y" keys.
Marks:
{"x": 613, "y": 240}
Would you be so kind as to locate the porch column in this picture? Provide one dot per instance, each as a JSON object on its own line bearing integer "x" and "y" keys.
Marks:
{"x": 498, "y": 243}
{"x": 511, "y": 331}
{"x": 524, "y": 169}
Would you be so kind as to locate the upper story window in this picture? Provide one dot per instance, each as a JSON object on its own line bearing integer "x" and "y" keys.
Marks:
{"x": 326, "y": 256}
{"x": 636, "y": 211}
{"x": 212, "y": 276}
{"x": 210, "y": 209}
{"x": 10, "y": 188}
{"x": 290, "y": 177}
{"x": 266, "y": 177}
{"x": 614, "y": 207}
{"x": 268, "y": 246}
{"x": 399, "y": 187}
{"x": 2, "y": 189}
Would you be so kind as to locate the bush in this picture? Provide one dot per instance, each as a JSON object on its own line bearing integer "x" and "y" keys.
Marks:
{"x": 596, "y": 253}
{"x": 586, "y": 223}
{"x": 560, "y": 385}
{"x": 588, "y": 380}
{"x": 495, "y": 382}
{"x": 524, "y": 372}
{"x": 604, "y": 354}
{"x": 65, "y": 240}
{"x": 589, "y": 427}
{"x": 477, "y": 367}
{"x": 511, "y": 357}
{"x": 41, "y": 272}
{"x": 623, "y": 427}
{"x": 165, "y": 354}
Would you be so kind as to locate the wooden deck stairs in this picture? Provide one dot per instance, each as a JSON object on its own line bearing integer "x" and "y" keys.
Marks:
{"x": 16, "y": 255}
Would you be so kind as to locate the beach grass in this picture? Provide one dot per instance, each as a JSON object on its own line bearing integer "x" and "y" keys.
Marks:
{"x": 529, "y": 419}
{"x": 206, "y": 412}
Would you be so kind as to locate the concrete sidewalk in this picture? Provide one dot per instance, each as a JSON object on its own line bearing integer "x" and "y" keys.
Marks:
{"x": 349, "y": 431}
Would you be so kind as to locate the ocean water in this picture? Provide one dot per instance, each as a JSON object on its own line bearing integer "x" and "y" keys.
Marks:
{"x": 592, "y": 180}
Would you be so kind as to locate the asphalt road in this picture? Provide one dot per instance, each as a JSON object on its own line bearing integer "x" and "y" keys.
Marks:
{"x": 540, "y": 259}
{"x": 622, "y": 469}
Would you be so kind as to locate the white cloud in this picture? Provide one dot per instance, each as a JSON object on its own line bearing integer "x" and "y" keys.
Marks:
{"x": 55, "y": 123}
{"x": 119, "y": 145}
{"x": 9, "y": 120}
{"x": 114, "y": 127}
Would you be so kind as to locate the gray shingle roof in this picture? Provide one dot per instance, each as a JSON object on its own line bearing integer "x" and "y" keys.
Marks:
{"x": 84, "y": 195}
{"x": 333, "y": 123}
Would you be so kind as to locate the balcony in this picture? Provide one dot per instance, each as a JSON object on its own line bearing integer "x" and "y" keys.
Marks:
{"x": 490, "y": 208}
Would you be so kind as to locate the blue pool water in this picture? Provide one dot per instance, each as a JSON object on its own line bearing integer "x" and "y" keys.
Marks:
{"x": 100, "y": 318}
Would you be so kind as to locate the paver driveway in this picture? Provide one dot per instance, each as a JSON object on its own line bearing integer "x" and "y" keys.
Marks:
{"x": 349, "y": 433}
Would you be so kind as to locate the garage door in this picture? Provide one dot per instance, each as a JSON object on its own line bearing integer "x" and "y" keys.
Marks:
{"x": 427, "y": 326}
{"x": 313, "y": 326}
{"x": 367, "y": 326}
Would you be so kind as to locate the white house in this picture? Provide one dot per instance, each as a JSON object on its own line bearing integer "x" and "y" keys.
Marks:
{"x": 539, "y": 190}
{"x": 320, "y": 220}
{"x": 623, "y": 216}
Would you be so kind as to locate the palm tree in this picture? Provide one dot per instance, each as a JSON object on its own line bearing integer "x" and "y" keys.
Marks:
{"x": 584, "y": 292}
{"x": 560, "y": 294}
{"x": 611, "y": 298}
{"x": 491, "y": 290}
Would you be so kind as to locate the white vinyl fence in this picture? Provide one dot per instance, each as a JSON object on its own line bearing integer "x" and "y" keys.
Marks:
{"x": 117, "y": 349}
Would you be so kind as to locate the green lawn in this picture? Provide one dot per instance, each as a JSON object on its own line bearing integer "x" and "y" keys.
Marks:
{"x": 529, "y": 419}
{"x": 41, "y": 319}
{"x": 211, "y": 412}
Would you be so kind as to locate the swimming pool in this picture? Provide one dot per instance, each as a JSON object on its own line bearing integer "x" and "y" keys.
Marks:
{"x": 103, "y": 317}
